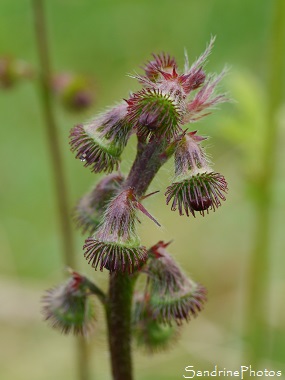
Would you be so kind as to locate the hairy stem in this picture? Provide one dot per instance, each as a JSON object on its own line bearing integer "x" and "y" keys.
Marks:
{"x": 147, "y": 163}
{"x": 259, "y": 266}
{"x": 56, "y": 160}
{"x": 119, "y": 325}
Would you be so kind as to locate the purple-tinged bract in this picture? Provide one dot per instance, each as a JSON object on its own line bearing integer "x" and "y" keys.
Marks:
{"x": 161, "y": 62}
{"x": 204, "y": 99}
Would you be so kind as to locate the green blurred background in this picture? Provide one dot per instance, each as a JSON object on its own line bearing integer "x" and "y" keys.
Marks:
{"x": 106, "y": 40}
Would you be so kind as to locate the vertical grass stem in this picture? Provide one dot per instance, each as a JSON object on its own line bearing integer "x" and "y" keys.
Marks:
{"x": 258, "y": 331}
{"x": 57, "y": 163}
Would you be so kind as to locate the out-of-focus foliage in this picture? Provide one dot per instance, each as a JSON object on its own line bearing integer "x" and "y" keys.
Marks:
{"x": 245, "y": 130}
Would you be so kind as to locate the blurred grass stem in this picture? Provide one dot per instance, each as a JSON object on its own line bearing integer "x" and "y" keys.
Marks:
{"x": 258, "y": 306}
{"x": 56, "y": 162}
{"x": 53, "y": 136}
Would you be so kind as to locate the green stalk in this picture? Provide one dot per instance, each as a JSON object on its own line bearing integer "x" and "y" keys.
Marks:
{"x": 56, "y": 162}
{"x": 148, "y": 161}
{"x": 119, "y": 325}
{"x": 258, "y": 331}
{"x": 52, "y": 134}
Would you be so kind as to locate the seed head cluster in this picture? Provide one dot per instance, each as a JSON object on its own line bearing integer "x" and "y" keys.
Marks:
{"x": 160, "y": 115}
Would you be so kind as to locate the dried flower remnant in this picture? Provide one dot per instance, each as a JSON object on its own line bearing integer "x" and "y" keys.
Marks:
{"x": 196, "y": 187}
{"x": 173, "y": 296}
{"x": 159, "y": 115}
{"x": 68, "y": 307}
{"x": 166, "y": 103}
{"x": 149, "y": 334}
{"x": 161, "y": 62}
{"x": 164, "y": 275}
{"x": 115, "y": 244}
{"x": 155, "y": 113}
{"x": 205, "y": 99}
{"x": 73, "y": 90}
{"x": 100, "y": 142}
{"x": 13, "y": 70}
{"x": 91, "y": 207}
{"x": 181, "y": 306}
{"x": 201, "y": 192}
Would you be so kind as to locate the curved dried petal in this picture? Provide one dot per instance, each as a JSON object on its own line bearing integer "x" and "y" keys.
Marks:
{"x": 160, "y": 62}
{"x": 205, "y": 99}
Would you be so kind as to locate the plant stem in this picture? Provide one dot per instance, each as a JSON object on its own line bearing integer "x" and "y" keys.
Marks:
{"x": 259, "y": 266}
{"x": 56, "y": 161}
{"x": 148, "y": 161}
{"x": 119, "y": 325}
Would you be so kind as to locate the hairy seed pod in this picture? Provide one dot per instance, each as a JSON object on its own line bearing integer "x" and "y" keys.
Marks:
{"x": 69, "y": 308}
